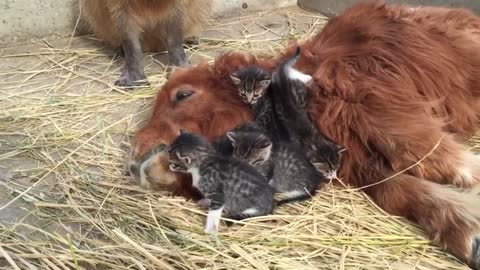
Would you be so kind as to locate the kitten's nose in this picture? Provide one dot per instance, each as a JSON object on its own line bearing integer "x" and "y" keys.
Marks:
{"x": 249, "y": 98}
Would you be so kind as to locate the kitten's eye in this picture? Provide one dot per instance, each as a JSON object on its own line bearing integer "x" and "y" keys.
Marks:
{"x": 183, "y": 94}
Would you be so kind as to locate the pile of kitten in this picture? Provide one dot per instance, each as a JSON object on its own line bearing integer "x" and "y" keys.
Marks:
{"x": 280, "y": 152}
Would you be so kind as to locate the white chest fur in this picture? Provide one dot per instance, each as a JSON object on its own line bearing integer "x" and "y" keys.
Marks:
{"x": 195, "y": 176}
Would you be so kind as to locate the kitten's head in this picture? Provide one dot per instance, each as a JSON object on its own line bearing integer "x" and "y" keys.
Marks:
{"x": 187, "y": 151}
{"x": 326, "y": 158}
{"x": 251, "y": 82}
{"x": 251, "y": 147}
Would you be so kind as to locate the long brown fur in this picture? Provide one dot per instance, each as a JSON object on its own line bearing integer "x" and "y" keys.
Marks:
{"x": 390, "y": 83}
{"x": 149, "y": 17}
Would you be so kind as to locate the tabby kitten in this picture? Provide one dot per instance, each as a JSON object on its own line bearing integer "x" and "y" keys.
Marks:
{"x": 252, "y": 84}
{"x": 291, "y": 106}
{"x": 289, "y": 171}
{"x": 233, "y": 188}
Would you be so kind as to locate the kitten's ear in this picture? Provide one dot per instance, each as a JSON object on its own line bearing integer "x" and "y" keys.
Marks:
{"x": 341, "y": 149}
{"x": 183, "y": 131}
{"x": 265, "y": 83}
{"x": 265, "y": 150}
{"x": 187, "y": 160}
{"x": 234, "y": 78}
{"x": 231, "y": 137}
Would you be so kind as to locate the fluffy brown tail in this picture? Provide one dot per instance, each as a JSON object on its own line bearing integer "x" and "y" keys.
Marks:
{"x": 451, "y": 216}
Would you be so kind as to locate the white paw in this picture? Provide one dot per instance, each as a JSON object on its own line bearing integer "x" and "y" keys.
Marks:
{"x": 211, "y": 230}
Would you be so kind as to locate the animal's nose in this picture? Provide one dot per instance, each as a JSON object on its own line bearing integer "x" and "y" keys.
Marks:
{"x": 139, "y": 165}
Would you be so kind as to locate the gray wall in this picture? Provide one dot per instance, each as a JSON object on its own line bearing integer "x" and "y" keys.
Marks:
{"x": 331, "y": 7}
{"x": 23, "y": 19}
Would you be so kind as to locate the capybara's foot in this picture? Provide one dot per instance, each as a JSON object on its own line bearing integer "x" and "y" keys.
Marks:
{"x": 132, "y": 78}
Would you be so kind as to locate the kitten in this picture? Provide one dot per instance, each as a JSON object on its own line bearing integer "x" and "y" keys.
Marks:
{"x": 233, "y": 187}
{"x": 252, "y": 84}
{"x": 291, "y": 107}
{"x": 289, "y": 170}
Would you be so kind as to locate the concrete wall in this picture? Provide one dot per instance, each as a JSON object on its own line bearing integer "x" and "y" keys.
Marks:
{"x": 23, "y": 19}
{"x": 333, "y": 7}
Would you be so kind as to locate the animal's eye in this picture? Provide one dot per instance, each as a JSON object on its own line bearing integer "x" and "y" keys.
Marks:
{"x": 182, "y": 95}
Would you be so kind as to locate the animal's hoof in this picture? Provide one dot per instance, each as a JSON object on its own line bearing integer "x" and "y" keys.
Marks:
{"x": 127, "y": 80}
{"x": 195, "y": 40}
{"x": 475, "y": 260}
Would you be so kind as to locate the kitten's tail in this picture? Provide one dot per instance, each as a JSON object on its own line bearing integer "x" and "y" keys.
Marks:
{"x": 286, "y": 65}
{"x": 293, "y": 59}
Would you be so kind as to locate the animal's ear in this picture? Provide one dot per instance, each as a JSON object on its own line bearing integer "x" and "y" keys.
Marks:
{"x": 341, "y": 149}
{"x": 321, "y": 167}
{"x": 265, "y": 149}
{"x": 187, "y": 160}
{"x": 231, "y": 137}
{"x": 183, "y": 131}
{"x": 234, "y": 78}
{"x": 265, "y": 83}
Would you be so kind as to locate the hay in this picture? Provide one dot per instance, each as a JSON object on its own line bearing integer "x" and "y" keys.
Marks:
{"x": 64, "y": 133}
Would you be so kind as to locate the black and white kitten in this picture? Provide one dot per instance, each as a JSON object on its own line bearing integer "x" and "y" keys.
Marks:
{"x": 288, "y": 170}
{"x": 290, "y": 101}
{"x": 234, "y": 188}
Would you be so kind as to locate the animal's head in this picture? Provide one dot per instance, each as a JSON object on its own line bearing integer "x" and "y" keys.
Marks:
{"x": 326, "y": 157}
{"x": 200, "y": 99}
{"x": 252, "y": 147}
{"x": 187, "y": 151}
{"x": 251, "y": 83}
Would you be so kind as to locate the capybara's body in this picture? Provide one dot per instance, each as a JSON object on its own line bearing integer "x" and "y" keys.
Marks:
{"x": 149, "y": 17}
{"x": 148, "y": 25}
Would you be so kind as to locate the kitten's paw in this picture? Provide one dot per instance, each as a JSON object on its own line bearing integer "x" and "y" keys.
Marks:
{"x": 211, "y": 230}
{"x": 203, "y": 203}
{"x": 475, "y": 259}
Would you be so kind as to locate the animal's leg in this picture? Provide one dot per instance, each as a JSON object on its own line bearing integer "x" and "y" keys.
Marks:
{"x": 213, "y": 220}
{"x": 176, "y": 53}
{"x": 133, "y": 72}
{"x": 217, "y": 204}
{"x": 203, "y": 203}
{"x": 450, "y": 216}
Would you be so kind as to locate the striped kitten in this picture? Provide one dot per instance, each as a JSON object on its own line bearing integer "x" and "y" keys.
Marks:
{"x": 288, "y": 170}
{"x": 234, "y": 189}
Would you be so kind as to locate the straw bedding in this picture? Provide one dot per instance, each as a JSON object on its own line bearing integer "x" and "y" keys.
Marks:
{"x": 64, "y": 134}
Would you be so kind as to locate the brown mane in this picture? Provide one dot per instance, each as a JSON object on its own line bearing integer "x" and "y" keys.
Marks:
{"x": 390, "y": 84}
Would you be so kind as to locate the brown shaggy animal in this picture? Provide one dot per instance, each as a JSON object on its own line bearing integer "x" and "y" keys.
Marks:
{"x": 394, "y": 85}
{"x": 157, "y": 25}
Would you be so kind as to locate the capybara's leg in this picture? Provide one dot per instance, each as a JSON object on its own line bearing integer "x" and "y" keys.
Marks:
{"x": 176, "y": 52}
{"x": 133, "y": 72}
{"x": 450, "y": 216}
